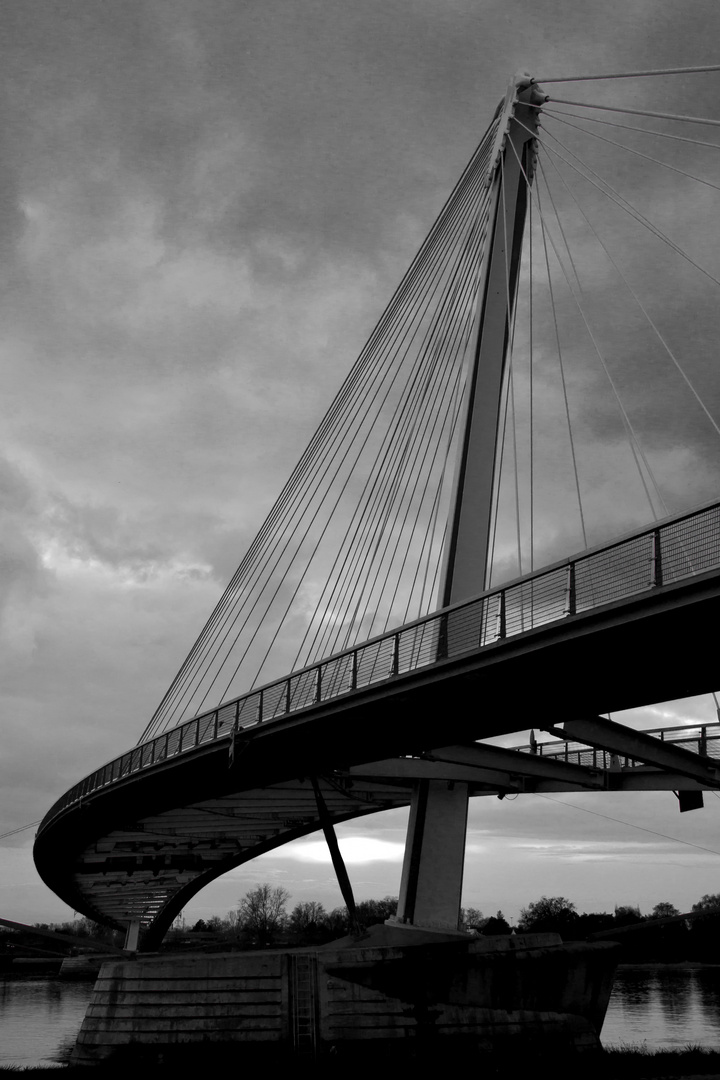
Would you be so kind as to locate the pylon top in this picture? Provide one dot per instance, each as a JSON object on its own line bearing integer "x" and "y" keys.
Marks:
{"x": 523, "y": 89}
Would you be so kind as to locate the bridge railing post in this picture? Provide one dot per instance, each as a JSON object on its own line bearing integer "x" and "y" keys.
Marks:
{"x": 395, "y": 665}
{"x": 442, "y": 645}
{"x": 501, "y": 626}
{"x": 318, "y": 683}
{"x": 570, "y": 594}
{"x": 656, "y": 567}
{"x": 260, "y": 708}
{"x": 354, "y": 670}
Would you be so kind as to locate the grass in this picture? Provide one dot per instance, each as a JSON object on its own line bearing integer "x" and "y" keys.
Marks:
{"x": 621, "y": 1062}
{"x": 632, "y": 1061}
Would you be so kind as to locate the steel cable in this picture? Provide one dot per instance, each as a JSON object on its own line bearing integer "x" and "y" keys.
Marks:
{"x": 353, "y": 393}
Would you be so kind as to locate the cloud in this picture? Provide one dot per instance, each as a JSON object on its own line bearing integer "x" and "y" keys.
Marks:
{"x": 355, "y": 850}
{"x": 203, "y": 209}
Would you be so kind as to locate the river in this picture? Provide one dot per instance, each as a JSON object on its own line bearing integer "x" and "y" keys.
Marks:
{"x": 670, "y": 1007}
{"x": 654, "y": 1007}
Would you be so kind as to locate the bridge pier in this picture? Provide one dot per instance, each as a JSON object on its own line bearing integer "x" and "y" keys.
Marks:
{"x": 425, "y": 998}
{"x": 432, "y": 874}
{"x": 132, "y": 936}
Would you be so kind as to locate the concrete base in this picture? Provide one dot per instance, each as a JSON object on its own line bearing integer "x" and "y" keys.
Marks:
{"x": 84, "y": 967}
{"x": 372, "y": 998}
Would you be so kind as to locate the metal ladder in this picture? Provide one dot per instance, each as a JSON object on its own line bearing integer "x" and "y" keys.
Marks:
{"x": 303, "y": 1006}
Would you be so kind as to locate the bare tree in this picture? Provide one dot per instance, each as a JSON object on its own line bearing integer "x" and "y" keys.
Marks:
{"x": 309, "y": 923}
{"x": 262, "y": 912}
{"x": 472, "y": 918}
{"x": 233, "y": 920}
{"x": 306, "y": 915}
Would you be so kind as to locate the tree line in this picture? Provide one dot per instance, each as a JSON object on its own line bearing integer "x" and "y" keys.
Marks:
{"x": 263, "y": 918}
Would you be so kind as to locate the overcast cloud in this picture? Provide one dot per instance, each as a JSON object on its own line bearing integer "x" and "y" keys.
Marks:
{"x": 204, "y": 206}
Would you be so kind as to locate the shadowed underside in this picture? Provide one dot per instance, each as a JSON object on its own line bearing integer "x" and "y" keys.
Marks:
{"x": 141, "y": 847}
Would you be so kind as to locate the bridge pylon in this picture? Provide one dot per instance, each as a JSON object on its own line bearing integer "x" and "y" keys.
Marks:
{"x": 431, "y": 883}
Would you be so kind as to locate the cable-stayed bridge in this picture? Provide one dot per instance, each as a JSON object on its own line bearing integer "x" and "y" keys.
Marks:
{"x": 380, "y": 577}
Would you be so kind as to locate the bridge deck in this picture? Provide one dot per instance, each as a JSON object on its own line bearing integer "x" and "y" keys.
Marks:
{"x": 139, "y": 836}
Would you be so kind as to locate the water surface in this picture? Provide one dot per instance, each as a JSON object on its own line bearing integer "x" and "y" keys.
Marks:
{"x": 670, "y": 1008}
{"x": 40, "y": 1016}
{"x": 664, "y": 1007}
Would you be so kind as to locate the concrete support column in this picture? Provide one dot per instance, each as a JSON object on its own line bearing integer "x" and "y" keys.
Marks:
{"x": 432, "y": 875}
{"x": 132, "y": 936}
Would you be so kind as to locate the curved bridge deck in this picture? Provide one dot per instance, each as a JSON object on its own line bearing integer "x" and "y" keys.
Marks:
{"x": 139, "y": 836}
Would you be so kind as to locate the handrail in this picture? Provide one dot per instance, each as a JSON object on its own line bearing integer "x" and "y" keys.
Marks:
{"x": 677, "y": 548}
{"x": 703, "y": 738}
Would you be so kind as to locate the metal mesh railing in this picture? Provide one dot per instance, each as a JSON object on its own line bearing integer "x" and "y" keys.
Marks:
{"x": 703, "y": 739}
{"x": 677, "y": 549}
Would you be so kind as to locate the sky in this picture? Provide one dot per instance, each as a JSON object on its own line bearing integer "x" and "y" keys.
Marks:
{"x": 204, "y": 206}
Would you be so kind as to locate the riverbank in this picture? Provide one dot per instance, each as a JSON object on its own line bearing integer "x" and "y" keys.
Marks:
{"x": 622, "y": 1063}
{"x": 674, "y": 965}
{"x": 633, "y": 1063}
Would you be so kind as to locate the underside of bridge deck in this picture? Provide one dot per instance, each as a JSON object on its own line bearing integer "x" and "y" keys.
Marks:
{"x": 144, "y": 845}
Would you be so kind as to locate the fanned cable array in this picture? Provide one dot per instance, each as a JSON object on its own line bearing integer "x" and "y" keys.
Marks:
{"x": 612, "y": 343}
{"x": 354, "y": 541}
{"x": 613, "y": 383}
